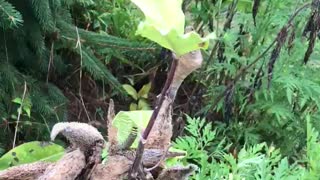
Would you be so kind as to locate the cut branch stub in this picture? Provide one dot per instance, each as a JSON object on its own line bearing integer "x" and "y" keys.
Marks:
{"x": 112, "y": 131}
{"x": 186, "y": 65}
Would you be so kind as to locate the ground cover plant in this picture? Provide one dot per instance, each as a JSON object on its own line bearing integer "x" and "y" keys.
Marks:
{"x": 256, "y": 93}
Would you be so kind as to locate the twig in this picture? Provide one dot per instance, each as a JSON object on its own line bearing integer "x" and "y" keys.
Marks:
{"x": 78, "y": 44}
{"x": 137, "y": 169}
{"x": 50, "y": 61}
{"x": 161, "y": 159}
{"x": 5, "y": 46}
{"x": 19, "y": 114}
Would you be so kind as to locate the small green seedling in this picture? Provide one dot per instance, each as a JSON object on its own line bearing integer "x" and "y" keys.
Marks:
{"x": 141, "y": 97}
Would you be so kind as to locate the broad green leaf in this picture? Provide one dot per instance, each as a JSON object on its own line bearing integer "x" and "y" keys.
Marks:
{"x": 166, "y": 15}
{"x": 164, "y": 24}
{"x": 144, "y": 91}
{"x": 131, "y": 91}
{"x": 31, "y": 152}
{"x": 125, "y": 121}
{"x": 133, "y": 107}
{"x": 27, "y": 110}
{"x": 17, "y": 100}
{"x": 26, "y": 105}
{"x": 143, "y": 105}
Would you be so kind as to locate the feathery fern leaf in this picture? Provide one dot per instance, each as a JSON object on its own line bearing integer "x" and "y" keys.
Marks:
{"x": 9, "y": 16}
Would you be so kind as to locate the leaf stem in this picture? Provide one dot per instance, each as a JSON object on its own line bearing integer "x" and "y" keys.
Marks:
{"x": 19, "y": 114}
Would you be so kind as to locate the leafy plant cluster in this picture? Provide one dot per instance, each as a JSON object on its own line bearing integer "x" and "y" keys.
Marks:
{"x": 259, "y": 161}
{"x": 258, "y": 88}
{"x": 260, "y": 76}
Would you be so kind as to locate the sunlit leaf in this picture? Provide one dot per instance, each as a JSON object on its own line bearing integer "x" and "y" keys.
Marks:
{"x": 143, "y": 105}
{"x": 125, "y": 121}
{"x": 133, "y": 107}
{"x": 31, "y": 152}
{"x": 144, "y": 91}
{"x": 164, "y": 24}
{"x": 131, "y": 91}
{"x": 27, "y": 110}
{"x": 17, "y": 100}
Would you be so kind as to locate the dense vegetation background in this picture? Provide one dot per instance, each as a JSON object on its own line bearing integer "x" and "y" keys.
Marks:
{"x": 258, "y": 90}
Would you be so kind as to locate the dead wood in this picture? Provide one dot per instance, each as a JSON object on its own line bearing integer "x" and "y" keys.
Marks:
{"x": 161, "y": 132}
{"x": 116, "y": 168}
{"x": 112, "y": 131}
{"x": 24, "y": 172}
{"x": 67, "y": 168}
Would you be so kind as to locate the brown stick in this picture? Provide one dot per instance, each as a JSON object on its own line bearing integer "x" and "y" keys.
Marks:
{"x": 137, "y": 169}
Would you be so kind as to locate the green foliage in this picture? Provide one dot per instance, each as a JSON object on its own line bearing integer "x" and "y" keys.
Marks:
{"x": 25, "y": 105}
{"x": 140, "y": 97}
{"x": 130, "y": 123}
{"x": 160, "y": 27}
{"x": 9, "y": 16}
{"x": 40, "y": 45}
{"x": 258, "y": 161}
{"x": 254, "y": 108}
{"x": 256, "y": 117}
{"x": 313, "y": 148}
{"x": 31, "y": 152}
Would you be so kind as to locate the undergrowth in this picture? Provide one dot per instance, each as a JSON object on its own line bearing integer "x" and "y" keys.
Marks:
{"x": 260, "y": 123}
{"x": 217, "y": 160}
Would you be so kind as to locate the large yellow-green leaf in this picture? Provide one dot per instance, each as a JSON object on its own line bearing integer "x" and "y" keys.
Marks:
{"x": 164, "y": 24}
{"x": 31, "y": 152}
{"x": 164, "y": 15}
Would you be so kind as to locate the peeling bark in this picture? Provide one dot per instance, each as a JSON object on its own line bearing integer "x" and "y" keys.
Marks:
{"x": 161, "y": 132}
{"x": 24, "y": 172}
{"x": 67, "y": 168}
{"x": 116, "y": 168}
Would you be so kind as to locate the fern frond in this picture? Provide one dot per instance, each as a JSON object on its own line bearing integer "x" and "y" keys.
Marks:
{"x": 98, "y": 70}
{"x": 313, "y": 149}
{"x": 69, "y": 33}
{"x": 9, "y": 16}
{"x": 55, "y": 96}
{"x": 35, "y": 37}
{"x": 81, "y": 2}
{"x": 43, "y": 13}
